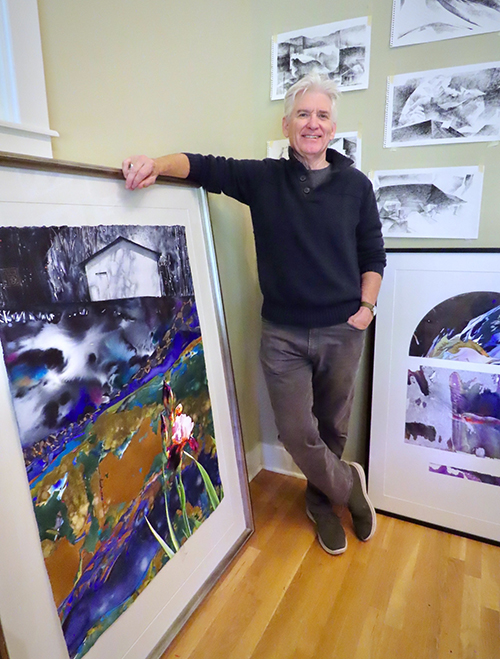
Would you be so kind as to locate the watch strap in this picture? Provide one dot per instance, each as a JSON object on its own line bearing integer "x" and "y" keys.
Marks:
{"x": 368, "y": 305}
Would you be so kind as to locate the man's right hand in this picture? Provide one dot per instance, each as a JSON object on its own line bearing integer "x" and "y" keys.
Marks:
{"x": 139, "y": 172}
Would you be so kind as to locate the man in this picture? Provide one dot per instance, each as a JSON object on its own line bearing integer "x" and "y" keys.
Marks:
{"x": 320, "y": 260}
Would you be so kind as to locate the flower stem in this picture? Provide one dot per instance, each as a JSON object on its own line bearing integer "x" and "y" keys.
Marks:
{"x": 212, "y": 494}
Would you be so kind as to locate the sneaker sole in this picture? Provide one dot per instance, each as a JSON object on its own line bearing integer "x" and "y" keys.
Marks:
{"x": 362, "y": 478}
{"x": 332, "y": 552}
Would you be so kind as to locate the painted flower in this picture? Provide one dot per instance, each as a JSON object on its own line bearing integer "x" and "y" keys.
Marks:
{"x": 181, "y": 435}
{"x": 182, "y": 428}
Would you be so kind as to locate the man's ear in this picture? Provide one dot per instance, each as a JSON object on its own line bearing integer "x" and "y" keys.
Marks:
{"x": 284, "y": 126}
{"x": 333, "y": 131}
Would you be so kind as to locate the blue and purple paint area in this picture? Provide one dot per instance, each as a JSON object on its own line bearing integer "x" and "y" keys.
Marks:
{"x": 457, "y": 409}
{"x": 87, "y": 380}
{"x": 465, "y": 474}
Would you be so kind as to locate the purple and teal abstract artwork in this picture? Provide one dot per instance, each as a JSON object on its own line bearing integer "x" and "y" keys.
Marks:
{"x": 454, "y": 410}
{"x": 466, "y": 474}
{"x": 451, "y": 407}
{"x": 104, "y": 356}
{"x": 463, "y": 328}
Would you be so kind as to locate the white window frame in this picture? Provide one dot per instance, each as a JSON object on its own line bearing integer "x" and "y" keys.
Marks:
{"x": 24, "y": 118}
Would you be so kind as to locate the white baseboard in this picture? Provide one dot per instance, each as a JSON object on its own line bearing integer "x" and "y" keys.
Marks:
{"x": 272, "y": 457}
{"x": 254, "y": 461}
{"x": 276, "y": 458}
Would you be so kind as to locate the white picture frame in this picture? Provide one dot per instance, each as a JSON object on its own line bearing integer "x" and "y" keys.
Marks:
{"x": 430, "y": 459}
{"x": 39, "y": 192}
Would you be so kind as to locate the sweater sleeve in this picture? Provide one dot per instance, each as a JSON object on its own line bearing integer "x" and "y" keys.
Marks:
{"x": 235, "y": 178}
{"x": 371, "y": 252}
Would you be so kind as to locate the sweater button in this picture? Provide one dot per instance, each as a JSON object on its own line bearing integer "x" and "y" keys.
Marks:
{"x": 303, "y": 178}
{"x": 307, "y": 190}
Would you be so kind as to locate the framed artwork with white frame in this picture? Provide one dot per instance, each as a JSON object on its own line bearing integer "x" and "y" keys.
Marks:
{"x": 435, "y": 429}
{"x": 123, "y": 485}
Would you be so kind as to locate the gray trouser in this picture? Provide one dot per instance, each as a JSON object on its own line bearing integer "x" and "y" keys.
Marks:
{"x": 310, "y": 375}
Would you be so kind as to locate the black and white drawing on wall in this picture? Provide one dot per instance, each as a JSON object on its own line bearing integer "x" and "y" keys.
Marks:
{"x": 422, "y": 21}
{"x": 444, "y": 106}
{"x": 348, "y": 144}
{"x": 340, "y": 50}
{"x": 441, "y": 202}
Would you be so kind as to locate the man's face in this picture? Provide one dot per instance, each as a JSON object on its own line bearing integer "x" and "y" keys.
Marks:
{"x": 310, "y": 126}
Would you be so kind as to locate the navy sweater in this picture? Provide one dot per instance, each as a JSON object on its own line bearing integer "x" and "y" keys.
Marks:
{"x": 312, "y": 245}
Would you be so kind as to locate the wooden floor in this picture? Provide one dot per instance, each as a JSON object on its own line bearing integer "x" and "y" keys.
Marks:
{"x": 409, "y": 593}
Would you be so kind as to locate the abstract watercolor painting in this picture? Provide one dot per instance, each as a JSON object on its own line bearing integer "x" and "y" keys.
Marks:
{"x": 449, "y": 408}
{"x": 444, "y": 106}
{"x": 468, "y": 474}
{"x": 105, "y": 361}
{"x": 442, "y": 202}
{"x": 422, "y": 21}
{"x": 454, "y": 410}
{"x": 348, "y": 144}
{"x": 436, "y": 390}
{"x": 463, "y": 328}
{"x": 339, "y": 50}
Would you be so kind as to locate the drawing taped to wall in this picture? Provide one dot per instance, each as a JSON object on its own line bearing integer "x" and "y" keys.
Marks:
{"x": 440, "y": 202}
{"x": 422, "y": 21}
{"x": 340, "y": 50}
{"x": 348, "y": 144}
{"x": 444, "y": 106}
{"x": 112, "y": 404}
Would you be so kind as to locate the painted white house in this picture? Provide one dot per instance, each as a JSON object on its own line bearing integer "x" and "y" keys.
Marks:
{"x": 123, "y": 269}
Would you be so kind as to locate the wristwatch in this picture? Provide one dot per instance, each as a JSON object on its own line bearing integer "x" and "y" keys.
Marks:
{"x": 372, "y": 307}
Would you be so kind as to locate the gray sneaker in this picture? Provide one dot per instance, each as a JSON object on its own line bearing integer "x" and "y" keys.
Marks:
{"x": 362, "y": 511}
{"x": 331, "y": 535}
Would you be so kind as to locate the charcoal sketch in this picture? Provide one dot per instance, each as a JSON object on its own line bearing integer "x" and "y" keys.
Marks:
{"x": 348, "y": 144}
{"x": 442, "y": 202}
{"x": 444, "y": 106}
{"x": 422, "y": 21}
{"x": 340, "y": 50}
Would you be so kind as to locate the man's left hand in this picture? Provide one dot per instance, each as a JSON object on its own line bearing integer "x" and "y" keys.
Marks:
{"x": 361, "y": 319}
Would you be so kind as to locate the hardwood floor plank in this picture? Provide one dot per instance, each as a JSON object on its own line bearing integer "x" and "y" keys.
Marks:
{"x": 396, "y": 608}
{"x": 451, "y": 614}
{"x": 490, "y": 581}
{"x": 411, "y": 592}
{"x": 489, "y": 647}
{"x": 205, "y": 616}
{"x": 305, "y": 609}
{"x": 470, "y": 631}
{"x": 473, "y": 559}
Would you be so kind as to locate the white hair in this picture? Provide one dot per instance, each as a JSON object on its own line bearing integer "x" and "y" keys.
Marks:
{"x": 312, "y": 82}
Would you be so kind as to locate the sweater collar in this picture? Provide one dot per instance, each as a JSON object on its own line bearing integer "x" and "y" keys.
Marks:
{"x": 332, "y": 156}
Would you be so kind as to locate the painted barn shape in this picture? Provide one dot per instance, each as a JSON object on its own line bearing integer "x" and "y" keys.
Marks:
{"x": 123, "y": 269}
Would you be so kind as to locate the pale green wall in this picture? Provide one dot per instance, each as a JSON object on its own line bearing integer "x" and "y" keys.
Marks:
{"x": 158, "y": 76}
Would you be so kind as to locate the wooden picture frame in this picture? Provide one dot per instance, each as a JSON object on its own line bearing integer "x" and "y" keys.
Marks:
{"x": 37, "y": 193}
{"x": 435, "y": 431}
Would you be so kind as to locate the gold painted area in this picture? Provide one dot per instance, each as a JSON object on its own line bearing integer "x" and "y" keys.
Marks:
{"x": 114, "y": 429}
{"x": 62, "y": 566}
{"x": 123, "y": 478}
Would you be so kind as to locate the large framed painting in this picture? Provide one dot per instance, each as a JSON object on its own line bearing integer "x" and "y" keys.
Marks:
{"x": 435, "y": 433}
{"x": 123, "y": 487}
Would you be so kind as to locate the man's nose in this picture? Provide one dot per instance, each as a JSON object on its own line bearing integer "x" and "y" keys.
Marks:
{"x": 313, "y": 120}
